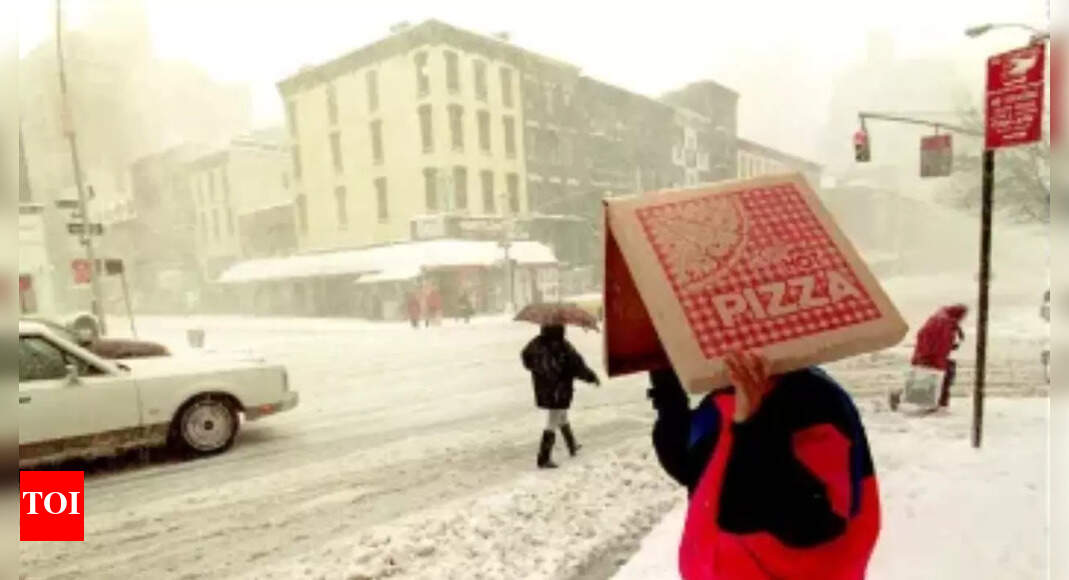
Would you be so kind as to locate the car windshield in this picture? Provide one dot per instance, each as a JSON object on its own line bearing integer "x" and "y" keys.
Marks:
{"x": 57, "y": 328}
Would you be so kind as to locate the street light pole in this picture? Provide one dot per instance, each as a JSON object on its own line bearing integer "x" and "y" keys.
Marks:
{"x": 987, "y": 186}
{"x": 982, "y": 29}
{"x": 86, "y": 236}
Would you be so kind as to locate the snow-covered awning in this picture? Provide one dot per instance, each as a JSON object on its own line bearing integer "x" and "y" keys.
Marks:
{"x": 391, "y": 275}
{"x": 394, "y": 259}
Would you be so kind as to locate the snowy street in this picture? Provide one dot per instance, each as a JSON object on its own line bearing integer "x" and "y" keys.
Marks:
{"x": 392, "y": 422}
{"x": 412, "y": 455}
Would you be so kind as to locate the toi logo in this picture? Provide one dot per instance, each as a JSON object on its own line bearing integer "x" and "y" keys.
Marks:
{"x": 51, "y": 506}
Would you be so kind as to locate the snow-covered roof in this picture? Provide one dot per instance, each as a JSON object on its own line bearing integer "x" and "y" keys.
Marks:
{"x": 398, "y": 274}
{"x": 395, "y": 259}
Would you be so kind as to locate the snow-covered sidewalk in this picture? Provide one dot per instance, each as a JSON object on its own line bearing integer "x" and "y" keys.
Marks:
{"x": 949, "y": 511}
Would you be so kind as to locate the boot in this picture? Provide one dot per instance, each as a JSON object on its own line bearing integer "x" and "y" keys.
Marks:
{"x": 546, "y": 449}
{"x": 569, "y": 439}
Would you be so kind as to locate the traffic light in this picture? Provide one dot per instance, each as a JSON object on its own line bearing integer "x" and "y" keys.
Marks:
{"x": 862, "y": 153}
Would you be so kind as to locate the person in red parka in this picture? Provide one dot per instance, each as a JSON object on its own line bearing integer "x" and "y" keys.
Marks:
{"x": 939, "y": 336}
{"x": 413, "y": 307}
{"x": 780, "y": 479}
{"x": 434, "y": 305}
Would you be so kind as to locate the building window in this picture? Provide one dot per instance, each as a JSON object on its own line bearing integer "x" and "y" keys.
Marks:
{"x": 532, "y": 95}
{"x": 229, "y": 221}
{"x": 423, "y": 82}
{"x": 204, "y": 225}
{"x": 335, "y": 151}
{"x": 296, "y": 162}
{"x": 484, "y": 131}
{"x": 489, "y": 203}
{"x": 341, "y": 207}
{"x": 460, "y": 188}
{"x": 567, "y": 149}
{"x": 332, "y": 105}
{"x": 376, "y": 141}
{"x": 480, "y": 80}
{"x": 456, "y": 126}
{"x": 510, "y": 136}
{"x": 452, "y": 71}
{"x": 209, "y": 177}
{"x": 225, "y": 179}
{"x": 383, "y": 199}
{"x": 552, "y": 150}
{"x": 215, "y": 223}
{"x": 512, "y": 182}
{"x": 506, "y": 87}
{"x": 302, "y": 213}
{"x": 430, "y": 188}
{"x": 426, "y": 128}
{"x": 291, "y": 117}
{"x": 372, "y": 78}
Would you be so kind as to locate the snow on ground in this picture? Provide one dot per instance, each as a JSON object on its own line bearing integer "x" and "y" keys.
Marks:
{"x": 541, "y": 525}
{"x": 949, "y": 511}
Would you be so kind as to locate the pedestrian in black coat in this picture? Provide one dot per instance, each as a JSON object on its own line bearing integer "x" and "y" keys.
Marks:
{"x": 465, "y": 310}
{"x": 554, "y": 365}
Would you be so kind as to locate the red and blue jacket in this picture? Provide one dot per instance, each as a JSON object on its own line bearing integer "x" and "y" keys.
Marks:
{"x": 788, "y": 494}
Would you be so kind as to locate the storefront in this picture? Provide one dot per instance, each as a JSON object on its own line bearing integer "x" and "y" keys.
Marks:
{"x": 374, "y": 282}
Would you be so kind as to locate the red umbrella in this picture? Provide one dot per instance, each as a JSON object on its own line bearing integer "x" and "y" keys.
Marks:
{"x": 557, "y": 313}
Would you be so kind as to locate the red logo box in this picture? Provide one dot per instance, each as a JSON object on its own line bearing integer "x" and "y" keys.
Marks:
{"x": 51, "y": 506}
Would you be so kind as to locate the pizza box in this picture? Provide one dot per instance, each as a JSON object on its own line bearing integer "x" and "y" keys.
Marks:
{"x": 756, "y": 264}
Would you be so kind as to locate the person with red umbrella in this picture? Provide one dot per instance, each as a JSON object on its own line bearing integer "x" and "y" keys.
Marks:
{"x": 554, "y": 365}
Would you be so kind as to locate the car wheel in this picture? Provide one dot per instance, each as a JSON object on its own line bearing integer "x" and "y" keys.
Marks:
{"x": 205, "y": 426}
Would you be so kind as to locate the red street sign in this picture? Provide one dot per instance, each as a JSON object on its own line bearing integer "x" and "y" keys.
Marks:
{"x": 937, "y": 155}
{"x": 82, "y": 272}
{"x": 1014, "y": 97}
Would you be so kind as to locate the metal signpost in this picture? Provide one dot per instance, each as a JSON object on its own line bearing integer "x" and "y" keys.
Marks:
{"x": 1013, "y": 115}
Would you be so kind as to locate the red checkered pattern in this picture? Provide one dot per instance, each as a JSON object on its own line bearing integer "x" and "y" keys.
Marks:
{"x": 781, "y": 240}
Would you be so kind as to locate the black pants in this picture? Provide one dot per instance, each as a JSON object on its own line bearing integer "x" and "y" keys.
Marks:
{"x": 948, "y": 379}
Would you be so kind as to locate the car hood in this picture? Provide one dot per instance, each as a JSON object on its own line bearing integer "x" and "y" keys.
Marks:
{"x": 195, "y": 364}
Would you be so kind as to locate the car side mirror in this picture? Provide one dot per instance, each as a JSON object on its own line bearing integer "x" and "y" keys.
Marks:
{"x": 72, "y": 374}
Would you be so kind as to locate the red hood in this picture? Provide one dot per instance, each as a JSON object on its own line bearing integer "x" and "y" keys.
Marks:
{"x": 955, "y": 311}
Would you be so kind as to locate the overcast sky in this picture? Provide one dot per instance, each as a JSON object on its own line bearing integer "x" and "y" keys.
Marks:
{"x": 783, "y": 56}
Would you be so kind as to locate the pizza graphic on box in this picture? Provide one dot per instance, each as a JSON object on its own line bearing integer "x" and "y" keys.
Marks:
{"x": 745, "y": 265}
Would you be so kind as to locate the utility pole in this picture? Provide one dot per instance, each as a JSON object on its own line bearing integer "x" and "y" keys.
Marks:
{"x": 86, "y": 236}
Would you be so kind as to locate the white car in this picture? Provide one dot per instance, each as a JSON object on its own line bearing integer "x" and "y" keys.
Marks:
{"x": 74, "y": 404}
